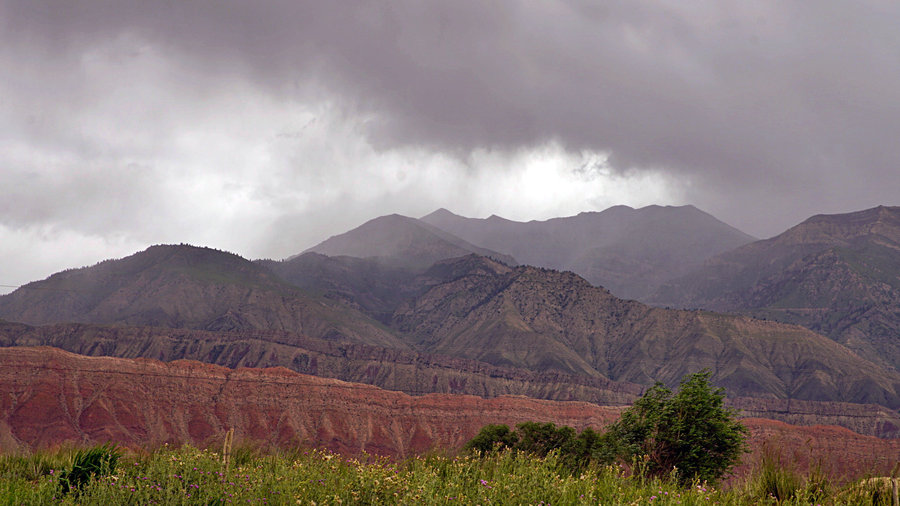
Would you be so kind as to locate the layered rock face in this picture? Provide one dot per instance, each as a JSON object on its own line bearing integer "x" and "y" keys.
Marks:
{"x": 406, "y": 371}
{"x": 869, "y": 419}
{"x": 52, "y": 397}
{"x": 409, "y": 372}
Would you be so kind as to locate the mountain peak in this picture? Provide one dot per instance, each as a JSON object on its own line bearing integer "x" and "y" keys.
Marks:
{"x": 838, "y": 228}
{"x": 441, "y": 213}
{"x": 402, "y": 240}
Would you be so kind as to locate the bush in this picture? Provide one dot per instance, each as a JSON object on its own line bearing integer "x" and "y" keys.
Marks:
{"x": 542, "y": 438}
{"x": 574, "y": 452}
{"x": 94, "y": 462}
{"x": 690, "y": 431}
{"x": 689, "y": 434}
{"x": 492, "y": 437}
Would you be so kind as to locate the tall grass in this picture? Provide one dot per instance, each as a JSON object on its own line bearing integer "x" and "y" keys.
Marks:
{"x": 192, "y": 476}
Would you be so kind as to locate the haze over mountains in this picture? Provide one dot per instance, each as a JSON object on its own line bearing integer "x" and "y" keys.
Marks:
{"x": 836, "y": 275}
{"x": 402, "y": 241}
{"x": 627, "y": 251}
{"x": 403, "y": 304}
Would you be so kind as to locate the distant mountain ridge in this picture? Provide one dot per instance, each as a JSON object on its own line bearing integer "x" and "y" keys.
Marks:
{"x": 184, "y": 286}
{"x": 628, "y": 251}
{"x": 836, "y": 274}
{"x": 402, "y": 241}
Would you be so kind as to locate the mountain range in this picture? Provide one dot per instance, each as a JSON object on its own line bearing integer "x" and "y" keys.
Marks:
{"x": 627, "y": 251}
{"x": 471, "y": 308}
{"x": 409, "y": 305}
{"x": 838, "y": 275}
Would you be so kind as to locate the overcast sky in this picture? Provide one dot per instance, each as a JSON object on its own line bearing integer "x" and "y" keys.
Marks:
{"x": 264, "y": 127}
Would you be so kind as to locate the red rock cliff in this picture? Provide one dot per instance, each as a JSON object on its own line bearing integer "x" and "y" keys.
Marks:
{"x": 50, "y": 397}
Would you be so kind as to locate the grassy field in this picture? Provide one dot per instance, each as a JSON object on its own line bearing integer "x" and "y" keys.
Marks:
{"x": 192, "y": 476}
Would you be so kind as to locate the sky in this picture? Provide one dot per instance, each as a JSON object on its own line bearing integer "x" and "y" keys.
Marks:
{"x": 265, "y": 127}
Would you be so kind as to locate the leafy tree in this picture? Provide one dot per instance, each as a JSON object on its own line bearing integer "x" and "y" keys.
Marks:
{"x": 689, "y": 431}
{"x": 589, "y": 446}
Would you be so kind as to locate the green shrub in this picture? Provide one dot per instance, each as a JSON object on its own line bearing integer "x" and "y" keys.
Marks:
{"x": 93, "y": 462}
{"x": 573, "y": 451}
{"x": 492, "y": 437}
{"x": 542, "y": 438}
{"x": 689, "y": 432}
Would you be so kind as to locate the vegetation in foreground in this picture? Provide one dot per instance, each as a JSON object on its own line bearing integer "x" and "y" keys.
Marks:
{"x": 688, "y": 436}
{"x": 192, "y": 476}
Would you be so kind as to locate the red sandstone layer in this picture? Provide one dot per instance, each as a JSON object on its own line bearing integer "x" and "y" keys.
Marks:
{"x": 50, "y": 397}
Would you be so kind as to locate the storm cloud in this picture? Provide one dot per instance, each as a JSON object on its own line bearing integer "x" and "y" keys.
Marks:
{"x": 263, "y": 127}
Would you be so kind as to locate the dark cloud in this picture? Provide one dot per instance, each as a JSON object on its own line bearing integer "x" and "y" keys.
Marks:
{"x": 767, "y": 111}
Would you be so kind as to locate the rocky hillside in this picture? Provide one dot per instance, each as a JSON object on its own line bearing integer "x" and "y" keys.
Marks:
{"x": 469, "y": 308}
{"x": 367, "y": 284}
{"x": 547, "y": 320}
{"x": 53, "y": 397}
{"x": 71, "y": 398}
{"x": 838, "y": 275}
{"x": 400, "y": 241}
{"x": 408, "y": 371}
{"x": 628, "y": 251}
{"x": 188, "y": 287}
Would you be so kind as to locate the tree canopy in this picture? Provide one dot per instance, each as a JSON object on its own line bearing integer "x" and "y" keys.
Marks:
{"x": 690, "y": 431}
{"x": 690, "y": 434}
